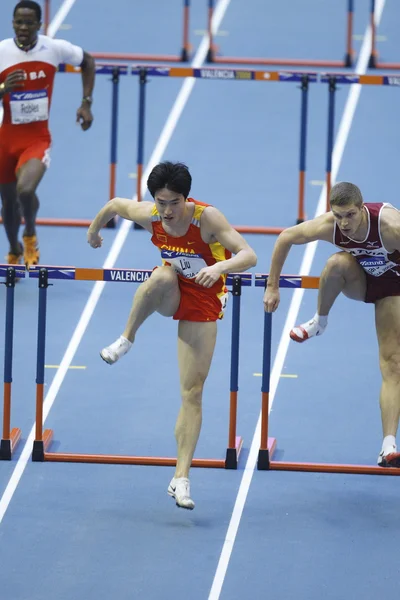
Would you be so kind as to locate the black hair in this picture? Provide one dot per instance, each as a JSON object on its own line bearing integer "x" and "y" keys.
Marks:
{"x": 32, "y": 5}
{"x": 344, "y": 193}
{"x": 173, "y": 176}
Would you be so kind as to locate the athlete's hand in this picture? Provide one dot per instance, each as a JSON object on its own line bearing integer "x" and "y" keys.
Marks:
{"x": 94, "y": 239}
{"x": 14, "y": 79}
{"x": 271, "y": 299}
{"x": 84, "y": 116}
{"x": 208, "y": 276}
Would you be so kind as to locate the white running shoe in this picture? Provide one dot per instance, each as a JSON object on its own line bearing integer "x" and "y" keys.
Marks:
{"x": 389, "y": 457}
{"x": 303, "y": 332}
{"x": 114, "y": 351}
{"x": 179, "y": 488}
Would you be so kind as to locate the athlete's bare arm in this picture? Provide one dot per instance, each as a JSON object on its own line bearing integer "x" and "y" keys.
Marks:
{"x": 15, "y": 79}
{"x": 84, "y": 113}
{"x": 139, "y": 212}
{"x": 320, "y": 228}
{"x": 215, "y": 228}
{"x": 390, "y": 228}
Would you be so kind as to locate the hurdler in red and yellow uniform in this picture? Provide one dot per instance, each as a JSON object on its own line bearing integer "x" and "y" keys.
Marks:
{"x": 187, "y": 255}
{"x": 24, "y": 133}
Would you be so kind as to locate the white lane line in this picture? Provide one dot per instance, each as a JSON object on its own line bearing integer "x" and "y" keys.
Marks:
{"x": 291, "y": 318}
{"x": 57, "y": 22}
{"x": 123, "y": 232}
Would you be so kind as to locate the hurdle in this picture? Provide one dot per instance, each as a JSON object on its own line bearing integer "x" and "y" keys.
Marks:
{"x": 182, "y": 57}
{"x": 374, "y": 62}
{"x": 333, "y": 79}
{"x": 294, "y": 62}
{"x": 44, "y": 438}
{"x": 213, "y": 73}
{"x": 10, "y": 437}
{"x": 268, "y": 445}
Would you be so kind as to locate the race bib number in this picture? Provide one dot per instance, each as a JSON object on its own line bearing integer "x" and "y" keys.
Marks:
{"x": 374, "y": 265}
{"x": 187, "y": 265}
{"x": 28, "y": 107}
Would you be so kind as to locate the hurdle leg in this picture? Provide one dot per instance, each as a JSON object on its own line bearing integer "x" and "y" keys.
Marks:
{"x": 46, "y": 16}
{"x": 303, "y": 144}
{"x": 211, "y": 49}
{"x": 42, "y": 439}
{"x": 10, "y": 437}
{"x": 331, "y": 129}
{"x": 140, "y": 149}
{"x": 373, "y": 58}
{"x": 348, "y": 59}
{"x": 235, "y": 443}
{"x": 114, "y": 136}
{"x": 267, "y": 445}
{"x": 185, "y": 44}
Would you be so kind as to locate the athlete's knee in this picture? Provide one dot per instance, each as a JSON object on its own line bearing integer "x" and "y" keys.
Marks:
{"x": 390, "y": 365}
{"x": 162, "y": 278}
{"x": 192, "y": 394}
{"x": 26, "y": 191}
{"x": 340, "y": 264}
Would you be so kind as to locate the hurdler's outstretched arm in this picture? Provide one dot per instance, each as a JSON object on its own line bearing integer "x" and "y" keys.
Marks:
{"x": 320, "y": 228}
{"x": 139, "y": 212}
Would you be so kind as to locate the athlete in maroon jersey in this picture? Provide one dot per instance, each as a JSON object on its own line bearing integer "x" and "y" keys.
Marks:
{"x": 366, "y": 269}
{"x": 28, "y": 64}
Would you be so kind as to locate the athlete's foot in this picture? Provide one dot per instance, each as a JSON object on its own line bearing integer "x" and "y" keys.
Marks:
{"x": 14, "y": 257}
{"x": 179, "y": 488}
{"x": 389, "y": 457}
{"x": 114, "y": 351}
{"x": 31, "y": 250}
{"x": 303, "y": 332}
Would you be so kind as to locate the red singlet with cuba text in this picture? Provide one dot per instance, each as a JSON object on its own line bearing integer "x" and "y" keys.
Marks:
{"x": 24, "y": 133}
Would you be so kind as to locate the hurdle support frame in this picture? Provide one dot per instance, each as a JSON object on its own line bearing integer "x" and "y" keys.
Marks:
{"x": 268, "y": 445}
{"x": 10, "y": 437}
{"x": 43, "y": 439}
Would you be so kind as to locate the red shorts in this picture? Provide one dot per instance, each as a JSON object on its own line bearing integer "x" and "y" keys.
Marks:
{"x": 16, "y": 151}
{"x": 199, "y": 304}
{"x": 381, "y": 287}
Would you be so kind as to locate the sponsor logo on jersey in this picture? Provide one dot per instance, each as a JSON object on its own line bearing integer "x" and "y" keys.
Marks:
{"x": 372, "y": 261}
{"x": 26, "y": 96}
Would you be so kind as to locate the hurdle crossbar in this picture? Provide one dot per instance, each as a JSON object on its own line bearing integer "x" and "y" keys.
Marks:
{"x": 44, "y": 438}
{"x": 10, "y": 437}
{"x": 268, "y": 445}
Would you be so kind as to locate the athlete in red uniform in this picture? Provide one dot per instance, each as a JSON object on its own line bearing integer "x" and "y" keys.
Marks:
{"x": 28, "y": 64}
{"x": 196, "y": 244}
{"x": 366, "y": 269}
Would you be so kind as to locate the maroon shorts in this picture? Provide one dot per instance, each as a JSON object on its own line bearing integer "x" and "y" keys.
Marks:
{"x": 381, "y": 287}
